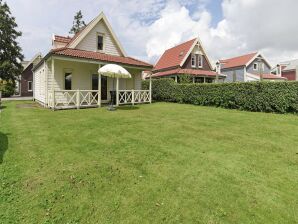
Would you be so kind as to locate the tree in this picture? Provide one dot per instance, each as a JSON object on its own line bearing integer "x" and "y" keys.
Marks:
{"x": 10, "y": 51}
{"x": 78, "y": 23}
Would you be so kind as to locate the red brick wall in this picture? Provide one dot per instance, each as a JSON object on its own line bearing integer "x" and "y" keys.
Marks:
{"x": 26, "y": 76}
{"x": 290, "y": 75}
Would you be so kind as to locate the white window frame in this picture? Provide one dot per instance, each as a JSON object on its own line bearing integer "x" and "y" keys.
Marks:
{"x": 257, "y": 67}
{"x": 30, "y": 90}
{"x": 193, "y": 61}
{"x": 200, "y": 61}
{"x": 103, "y": 40}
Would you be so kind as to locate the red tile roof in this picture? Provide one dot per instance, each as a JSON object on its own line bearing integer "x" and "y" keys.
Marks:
{"x": 99, "y": 56}
{"x": 174, "y": 56}
{"x": 272, "y": 76}
{"x": 185, "y": 71}
{"x": 237, "y": 61}
{"x": 62, "y": 39}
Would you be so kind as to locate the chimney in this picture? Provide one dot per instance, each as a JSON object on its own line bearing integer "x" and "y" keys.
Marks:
{"x": 278, "y": 70}
{"x": 218, "y": 67}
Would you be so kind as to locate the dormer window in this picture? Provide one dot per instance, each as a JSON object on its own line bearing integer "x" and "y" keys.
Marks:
{"x": 100, "y": 43}
{"x": 193, "y": 61}
{"x": 200, "y": 61}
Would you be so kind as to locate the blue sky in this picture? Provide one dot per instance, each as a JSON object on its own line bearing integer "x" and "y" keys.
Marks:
{"x": 147, "y": 27}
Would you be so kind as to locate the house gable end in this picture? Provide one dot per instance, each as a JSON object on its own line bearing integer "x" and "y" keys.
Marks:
{"x": 87, "y": 39}
{"x": 197, "y": 48}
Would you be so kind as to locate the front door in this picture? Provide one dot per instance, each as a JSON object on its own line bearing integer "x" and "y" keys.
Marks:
{"x": 104, "y": 86}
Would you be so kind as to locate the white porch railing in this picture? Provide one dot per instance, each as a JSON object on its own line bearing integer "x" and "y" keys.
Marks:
{"x": 71, "y": 99}
{"x": 134, "y": 97}
{"x": 66, "y": 99}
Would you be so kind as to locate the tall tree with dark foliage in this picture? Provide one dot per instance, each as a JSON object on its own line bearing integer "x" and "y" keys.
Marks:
{"x": 10, "y": 51}
{"x": 78, "y": 23}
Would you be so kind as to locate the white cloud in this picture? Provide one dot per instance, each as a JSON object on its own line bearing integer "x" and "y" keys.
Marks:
{"x": 248, "y": 25}
{"x": 147, "y": 28}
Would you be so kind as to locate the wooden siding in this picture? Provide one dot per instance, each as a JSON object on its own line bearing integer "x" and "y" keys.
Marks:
{"x": 187, "y": 64}
{"x": 39, "y": 85}
{"x": 89, "y": 43}
{"x": 290, "y": 75}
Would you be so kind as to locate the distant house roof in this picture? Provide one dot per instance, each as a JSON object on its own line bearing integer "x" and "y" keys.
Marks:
{"x": 76, "y": 53}
{"x": 238, "y": 61}
{"x": 289, "y": 65}
{"x": 62, "y": 39}
{"x": 186, "y": 71}
{"x": 174, "y": 56}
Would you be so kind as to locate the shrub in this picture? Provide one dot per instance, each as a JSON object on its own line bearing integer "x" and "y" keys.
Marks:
{"x": 279, "y": 97}
{"x": 7, "y": 88}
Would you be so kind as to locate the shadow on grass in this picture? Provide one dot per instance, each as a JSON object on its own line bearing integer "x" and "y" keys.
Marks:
{"x": 2, "y": 107}
{"x": 128, "y": 108}
{"x": 3, "y": 145}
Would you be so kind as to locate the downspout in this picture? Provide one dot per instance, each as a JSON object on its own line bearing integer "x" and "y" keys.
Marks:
{"x": 296, "y": 73}
{"x": 46, "y": 87}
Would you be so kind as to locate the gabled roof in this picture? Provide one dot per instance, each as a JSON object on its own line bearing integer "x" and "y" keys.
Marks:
{"x": 80, "y": 35}
{"x": 289, "y": 65}
{"x": 97, "y": 56}
{"x": 238, "y": 61}
{"x": 176, "y": 56}
{"x": 37, "y": 56}
{"x": 244, "y": 60}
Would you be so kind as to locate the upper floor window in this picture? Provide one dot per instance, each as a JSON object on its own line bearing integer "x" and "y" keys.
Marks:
{"x": 100, "y": 43}
{"x": 200, "y": 61}
{"x": 67, "y": 81}
{"x": 193, "y": 60}
{"x": 256, "y": 67}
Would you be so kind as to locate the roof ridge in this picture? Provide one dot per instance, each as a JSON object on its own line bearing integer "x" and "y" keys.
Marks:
{"x": 138, "y": 60}
{"x": 244, "y": 55}
{"x": 68, "y": 37}
{"x": 181, "y": 44}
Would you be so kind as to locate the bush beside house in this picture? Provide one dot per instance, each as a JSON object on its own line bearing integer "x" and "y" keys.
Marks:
{"x": 7, "y": 88}
{"x": 279, "y": 97}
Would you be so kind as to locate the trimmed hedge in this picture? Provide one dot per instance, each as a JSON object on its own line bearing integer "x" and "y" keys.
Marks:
{"x": 279, "y": 97}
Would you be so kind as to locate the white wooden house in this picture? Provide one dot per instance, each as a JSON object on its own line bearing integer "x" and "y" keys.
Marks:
{"x": 68, "y": 77}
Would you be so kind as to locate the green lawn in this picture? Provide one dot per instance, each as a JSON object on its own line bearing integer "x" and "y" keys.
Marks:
{"x": 159, "y": 163}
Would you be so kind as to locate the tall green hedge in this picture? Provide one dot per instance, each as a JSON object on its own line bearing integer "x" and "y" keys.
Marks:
{"x": 279, "y": 97}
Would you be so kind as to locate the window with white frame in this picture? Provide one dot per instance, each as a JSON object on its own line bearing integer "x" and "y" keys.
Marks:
{"x": 67, "y": 81}
{"x": 193, "y": 60}
{"x": 255, "y": 66}
{"x": 100, "y": 42}
{"x": 200, "y": 61}
{"x": 30, "y": 86}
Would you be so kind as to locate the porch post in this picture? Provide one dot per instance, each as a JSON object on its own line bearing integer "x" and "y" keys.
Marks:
{"x": 117, "y": 92}
{"x": 99, "y": 88}
{"x": 150, "y": 89}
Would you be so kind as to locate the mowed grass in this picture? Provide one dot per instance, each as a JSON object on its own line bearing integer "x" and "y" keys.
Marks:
{"x": 158, "y": 163}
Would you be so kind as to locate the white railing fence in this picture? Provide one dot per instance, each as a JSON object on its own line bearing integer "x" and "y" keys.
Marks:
{"x": 134, "y": 97}
{"x": 63, "y": 99}
{"x": 67, "y": 99}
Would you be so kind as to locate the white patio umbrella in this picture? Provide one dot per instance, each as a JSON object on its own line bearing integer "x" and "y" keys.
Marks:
{"x": 114, "y": 71}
